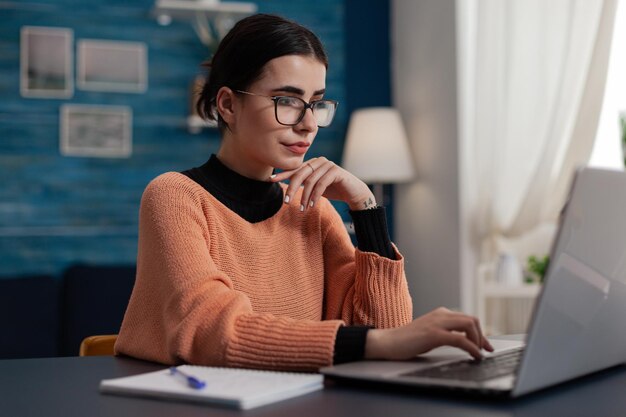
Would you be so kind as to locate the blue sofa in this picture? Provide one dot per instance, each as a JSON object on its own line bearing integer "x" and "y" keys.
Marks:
{"x": 46, "y": 316}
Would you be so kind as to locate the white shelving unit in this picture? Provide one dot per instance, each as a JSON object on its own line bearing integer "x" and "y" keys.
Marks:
{"x": 501, "y": 308}
{"x": 493, "y": 290}
{"x": 506, "y": 309}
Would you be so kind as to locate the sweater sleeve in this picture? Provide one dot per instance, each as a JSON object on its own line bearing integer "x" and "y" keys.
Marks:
{"x": 350, "y": 344}
{"x": 371, "y": 231}
{"x": 183, "y": 309}
{"x": 362, "y": 288}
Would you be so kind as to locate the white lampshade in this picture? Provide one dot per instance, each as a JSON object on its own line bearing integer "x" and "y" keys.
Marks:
{"x": 376, "y": 149}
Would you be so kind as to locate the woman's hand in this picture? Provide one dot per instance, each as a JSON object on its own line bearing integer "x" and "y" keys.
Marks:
{"x": 440, "y": 327}
{"x": 321, "y": 177}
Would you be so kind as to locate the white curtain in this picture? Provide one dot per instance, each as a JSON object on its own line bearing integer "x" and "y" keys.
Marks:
{"x": 607, "y": 149}
{"x": 532, "y": 83}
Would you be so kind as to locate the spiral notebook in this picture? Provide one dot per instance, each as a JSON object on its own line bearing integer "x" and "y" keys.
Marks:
{"x": 231, "y": 387}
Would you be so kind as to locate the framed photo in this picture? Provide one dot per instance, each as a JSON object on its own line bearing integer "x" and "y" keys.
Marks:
{"x": 99, "y": 131}
{"x": 46, "y": 62}
{"x": 112, "y": 66}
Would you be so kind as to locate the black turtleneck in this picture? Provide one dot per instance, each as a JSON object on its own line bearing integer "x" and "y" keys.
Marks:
{"x": 256, "y": 201}
{"x": 252, "y": 200}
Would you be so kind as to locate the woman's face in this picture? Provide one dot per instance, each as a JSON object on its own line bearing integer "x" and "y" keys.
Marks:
{"x": 256, "y": 143}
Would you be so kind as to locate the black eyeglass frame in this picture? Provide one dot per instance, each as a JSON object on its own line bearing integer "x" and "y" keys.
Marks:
{"x": 307, "y": 106}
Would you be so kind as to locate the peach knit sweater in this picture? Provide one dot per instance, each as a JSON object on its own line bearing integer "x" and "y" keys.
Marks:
{"x": 214, "y": 289}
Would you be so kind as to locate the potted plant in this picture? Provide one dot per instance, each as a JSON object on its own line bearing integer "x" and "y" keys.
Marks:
{"x": 536, "y": 268}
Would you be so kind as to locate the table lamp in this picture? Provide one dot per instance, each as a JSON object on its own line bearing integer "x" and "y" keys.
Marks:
{"x": 377, "y": 150}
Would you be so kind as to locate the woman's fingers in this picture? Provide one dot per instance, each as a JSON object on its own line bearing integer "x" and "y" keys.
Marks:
{"x": 440, "y": 327}
{"x": 321, "y": 177}
{"x": 288, "y": 174}
{"x": 312, "y": 175}
{"x": 462, "y": 326}
{"x": 484, "y": 342}
{"x": 462, "y": 342}
{"x": 459, "y": 322}
{"x": 315, "y": 184}
{"x": 296, "y": 177}
{"x": 468, "y": 325}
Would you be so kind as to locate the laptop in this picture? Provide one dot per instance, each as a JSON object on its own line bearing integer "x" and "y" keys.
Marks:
{"x": 578, "y": 324}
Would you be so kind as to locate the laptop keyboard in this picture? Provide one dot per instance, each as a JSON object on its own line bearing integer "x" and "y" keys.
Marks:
{"x": 473, "y": 370}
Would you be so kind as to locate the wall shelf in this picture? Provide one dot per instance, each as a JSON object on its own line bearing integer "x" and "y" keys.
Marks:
{"x": 494, "y": 290}
{"x": 503, "y": 308}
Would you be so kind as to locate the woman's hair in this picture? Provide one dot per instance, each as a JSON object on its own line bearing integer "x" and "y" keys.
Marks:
{"x": 244, "y": 51}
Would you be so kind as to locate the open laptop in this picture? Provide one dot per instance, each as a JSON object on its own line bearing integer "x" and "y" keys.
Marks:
{"x": 579, "y": 320}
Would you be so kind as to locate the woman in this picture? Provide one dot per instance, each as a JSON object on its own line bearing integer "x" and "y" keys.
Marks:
{"x": 237, "y": 269}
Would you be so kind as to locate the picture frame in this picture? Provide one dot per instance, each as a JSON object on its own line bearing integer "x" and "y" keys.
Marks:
{"x": 46, "y": 62}
{"x": 96, "y": 131}
{"x": 117, "y": 66}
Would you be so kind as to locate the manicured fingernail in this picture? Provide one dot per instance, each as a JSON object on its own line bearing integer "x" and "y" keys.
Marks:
{"x": 301, "y": 207}
{"x": 273, "y": 176}
{"x": 311, "y": 203}
{"x": 286, "y": 199}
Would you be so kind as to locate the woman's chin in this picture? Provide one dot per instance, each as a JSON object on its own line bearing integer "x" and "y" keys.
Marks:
{"x": 292, "y": 163}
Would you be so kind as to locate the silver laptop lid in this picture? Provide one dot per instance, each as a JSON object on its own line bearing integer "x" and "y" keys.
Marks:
{"x": 579, "y": 323}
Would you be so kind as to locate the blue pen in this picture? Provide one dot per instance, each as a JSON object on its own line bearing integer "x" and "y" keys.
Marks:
{"x": 191, "y": 381}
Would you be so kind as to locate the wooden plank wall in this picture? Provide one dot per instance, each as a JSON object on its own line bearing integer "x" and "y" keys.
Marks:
{"x": 56, "y": 210}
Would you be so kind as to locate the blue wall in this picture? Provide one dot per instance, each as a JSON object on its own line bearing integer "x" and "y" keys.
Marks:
{"x": 55, "y": 210}
{"x": 368, "y": 54}
{"x": 368, "y": 63}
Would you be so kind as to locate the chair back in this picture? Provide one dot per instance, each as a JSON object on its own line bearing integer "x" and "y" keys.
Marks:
{"x": 100, "y": 345}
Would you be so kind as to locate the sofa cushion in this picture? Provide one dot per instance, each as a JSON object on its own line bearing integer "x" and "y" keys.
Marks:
{"x": 94, "y": 301}
{"x": 29, "y": 317}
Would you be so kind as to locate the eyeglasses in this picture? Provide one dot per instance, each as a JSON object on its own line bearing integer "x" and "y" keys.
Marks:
{"x": 289, "y": 110}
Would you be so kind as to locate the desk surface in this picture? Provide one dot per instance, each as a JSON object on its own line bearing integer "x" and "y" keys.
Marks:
{"x": 69, "y": 387}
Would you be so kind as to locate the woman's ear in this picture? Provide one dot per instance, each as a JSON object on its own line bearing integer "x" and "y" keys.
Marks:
{"x": 225, "y": 104}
